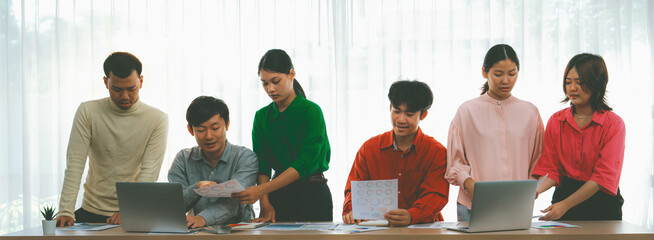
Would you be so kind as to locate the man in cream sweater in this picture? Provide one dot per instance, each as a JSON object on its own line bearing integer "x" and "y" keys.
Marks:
{"x": 123, "y": 138}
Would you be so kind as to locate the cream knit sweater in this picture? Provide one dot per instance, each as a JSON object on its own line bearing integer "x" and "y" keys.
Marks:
{"x": 122, "y": 145}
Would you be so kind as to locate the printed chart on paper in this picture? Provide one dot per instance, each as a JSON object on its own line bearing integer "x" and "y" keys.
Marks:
{"x": 372, "y": 199}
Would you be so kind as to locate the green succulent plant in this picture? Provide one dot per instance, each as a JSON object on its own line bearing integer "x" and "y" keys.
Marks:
{"x": 48, "y": 212}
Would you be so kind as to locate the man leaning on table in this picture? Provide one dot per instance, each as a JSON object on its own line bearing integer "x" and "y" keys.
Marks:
{"x": 213, "y": 161}
{"x": 123, "y": 138}
{"x": 418, "y": 161}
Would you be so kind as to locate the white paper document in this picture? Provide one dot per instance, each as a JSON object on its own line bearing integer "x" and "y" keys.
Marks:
{"x": 224, "y": 189}
{"x": 89, "y": 227}
{"x": 551, "y": 225}
{"x": 434, "y": 225}
{"x": 379, "y": 223}
{"x": 344, "y": 228}
{"x": 319, "y": 226}
{"x": 283, "y": 227}
{"x": 372, "y": 199}
{"x": 352, "y": 228}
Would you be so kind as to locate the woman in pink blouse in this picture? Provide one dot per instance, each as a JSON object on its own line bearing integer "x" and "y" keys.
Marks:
{"x": 495, "y": 136}
{"x": 584, "y": 148}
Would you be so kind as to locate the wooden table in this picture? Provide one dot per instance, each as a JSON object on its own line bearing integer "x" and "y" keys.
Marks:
{"x": 594, "y": 230}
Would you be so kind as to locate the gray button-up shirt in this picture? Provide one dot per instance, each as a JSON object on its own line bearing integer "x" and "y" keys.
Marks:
{"x": 190, "y": 167}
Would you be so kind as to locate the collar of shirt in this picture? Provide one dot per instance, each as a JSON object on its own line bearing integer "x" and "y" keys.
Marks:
{"x": 492, "y": 100}
{"x": 599, "y": 117}
{"x": 196, "y": 154}
{"x": 388, "y": 140}
{"x": 116, "y": 109}
{"x": 275, "y": 112}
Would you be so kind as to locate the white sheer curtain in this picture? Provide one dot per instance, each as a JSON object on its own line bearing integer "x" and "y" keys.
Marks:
{"x": 346, "y": 54}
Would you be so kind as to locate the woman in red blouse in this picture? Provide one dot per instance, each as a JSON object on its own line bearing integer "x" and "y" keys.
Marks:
{"x": 583, "y": 148}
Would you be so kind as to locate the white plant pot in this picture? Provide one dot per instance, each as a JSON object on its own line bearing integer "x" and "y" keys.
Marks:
{"x": 49, "y": 226}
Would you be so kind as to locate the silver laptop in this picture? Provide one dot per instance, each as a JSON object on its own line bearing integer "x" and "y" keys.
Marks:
{"x": 151, "y": 207}
{"x": 501, "y": 205}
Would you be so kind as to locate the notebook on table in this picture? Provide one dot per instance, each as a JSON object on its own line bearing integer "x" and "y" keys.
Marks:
{"x": 501, "y": 205}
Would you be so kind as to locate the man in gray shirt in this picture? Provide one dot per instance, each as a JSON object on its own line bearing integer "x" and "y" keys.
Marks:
{"x": 213, "y": 161}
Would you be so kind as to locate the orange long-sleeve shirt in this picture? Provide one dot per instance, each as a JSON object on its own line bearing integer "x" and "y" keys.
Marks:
{"x": 422, "y": 188}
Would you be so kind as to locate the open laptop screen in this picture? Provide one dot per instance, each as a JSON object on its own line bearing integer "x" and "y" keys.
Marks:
{"x": 151, "y": 207}
{"x": 502, "y": 205}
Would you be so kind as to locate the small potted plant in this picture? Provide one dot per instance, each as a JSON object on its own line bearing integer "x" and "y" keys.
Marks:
{"x": 49, "y": 224}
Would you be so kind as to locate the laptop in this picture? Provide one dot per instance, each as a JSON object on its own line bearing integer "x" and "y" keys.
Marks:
{"x": 152, "y": 207}
{"x": 501, "y": 205}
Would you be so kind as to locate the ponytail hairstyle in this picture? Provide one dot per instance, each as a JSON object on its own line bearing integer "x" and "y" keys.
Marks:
{"x": 593, "y": 76}
{"x": 276, "y": 60}
{"x": 495, "y": 54}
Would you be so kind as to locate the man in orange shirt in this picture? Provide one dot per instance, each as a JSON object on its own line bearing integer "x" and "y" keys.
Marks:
{"x": 418, "y": 161}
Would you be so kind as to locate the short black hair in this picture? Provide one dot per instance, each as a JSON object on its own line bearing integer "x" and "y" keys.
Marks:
{"x": 594, "y": 77}
{"x": 122, "y": 64}
{"x": 417, "y": 95}
{"x": 205, "y": 107}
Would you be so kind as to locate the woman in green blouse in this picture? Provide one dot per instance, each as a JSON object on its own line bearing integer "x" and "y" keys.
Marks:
{"x": 290, "y": 137}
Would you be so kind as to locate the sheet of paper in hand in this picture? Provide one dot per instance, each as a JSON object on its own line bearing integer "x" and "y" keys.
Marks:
{"x": 224, "y": 189}
{"x": 372, "y": 199}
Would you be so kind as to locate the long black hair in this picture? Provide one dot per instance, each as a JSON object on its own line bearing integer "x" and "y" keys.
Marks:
{"x": 276, "y": 60}
{"x": 593, "y": 76}
{"x": 495, "y": 54}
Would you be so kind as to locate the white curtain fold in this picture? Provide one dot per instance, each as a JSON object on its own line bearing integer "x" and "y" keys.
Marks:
{"x": 346, "y": 55}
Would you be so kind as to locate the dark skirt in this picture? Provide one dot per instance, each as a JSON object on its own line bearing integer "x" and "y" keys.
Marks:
{"x": 302, "y": 200}
{"x": 600, "y": 206}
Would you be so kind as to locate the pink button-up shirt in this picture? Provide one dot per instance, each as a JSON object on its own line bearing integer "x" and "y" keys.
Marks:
{"x": 594, "y": 152}
{"x": 491, "y": 140}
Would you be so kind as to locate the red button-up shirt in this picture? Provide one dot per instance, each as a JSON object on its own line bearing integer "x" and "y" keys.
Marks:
{"x": 422, "y": 188}
{"x": 594, "y": 152}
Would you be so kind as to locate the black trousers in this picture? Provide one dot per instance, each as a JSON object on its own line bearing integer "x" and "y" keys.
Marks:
{"x": 302, "y": 200}
{"x": 83, "y": 216}
{"x": 600, "y": 206}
